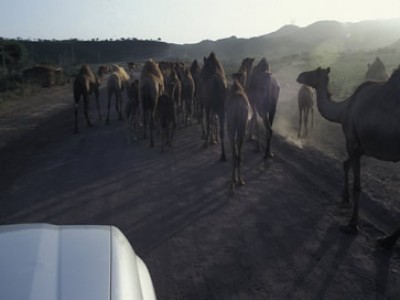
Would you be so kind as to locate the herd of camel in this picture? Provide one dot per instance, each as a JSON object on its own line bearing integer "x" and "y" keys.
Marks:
{"x": 169, "y": 93}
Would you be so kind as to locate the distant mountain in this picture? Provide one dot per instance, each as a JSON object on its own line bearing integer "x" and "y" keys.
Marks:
{"x": 291, "y": 39}
{"x": 288, "y": 40}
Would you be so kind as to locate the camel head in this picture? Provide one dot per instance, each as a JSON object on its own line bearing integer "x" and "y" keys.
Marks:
{"x": 237, "y": 85}
{"x": 247, "y": 63}
{"x": 239, "y": 76}
{"x": 318, "y": 77}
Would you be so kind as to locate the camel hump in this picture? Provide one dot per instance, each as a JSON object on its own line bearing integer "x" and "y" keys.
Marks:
{"x": 151, "y": 68}
{"x": 121, "y": 72}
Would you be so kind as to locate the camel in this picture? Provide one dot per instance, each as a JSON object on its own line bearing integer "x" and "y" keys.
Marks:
{"x": 133, "y": 106}
{"x": 370, "y": 123}
{"x": 187, "y": 95}
{"x": 151, "y": 87}
{"x": 212, "y": 93}
{"x": 102, "y": 70}
{"x": 238, "y": 113}
{"x": 195, "y": 70}
{"x": 85, "y": 84}
{"x": 245, "y": 69}
{"x": 166, "y": 116}
{"x": 305, "y": 99}
{"x": 263, "y": 93}
{"x": 116, "y": 83}
{"x": 174, "y": 90}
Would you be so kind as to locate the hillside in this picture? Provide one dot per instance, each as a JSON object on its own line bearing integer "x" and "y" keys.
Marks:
{"x": 288, "y": 40}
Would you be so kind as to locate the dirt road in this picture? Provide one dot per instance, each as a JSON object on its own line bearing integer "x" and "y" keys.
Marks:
{"x": 276, "y": 238}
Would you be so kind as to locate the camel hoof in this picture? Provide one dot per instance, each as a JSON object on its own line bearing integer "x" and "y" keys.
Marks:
{"x": 241, "y": 182}
{"x": 223, "y": 157}
{"x": 250, "y": 139}
{"x": 349, "y": 228}
{"x": 108, "y": 122}
{"x": 90, "y": 125}
{"x": 386, "y": 242}
{"x": 268, "y": 156}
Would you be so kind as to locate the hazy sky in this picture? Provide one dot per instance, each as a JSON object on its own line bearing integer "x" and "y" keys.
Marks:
{"x": 176, "y": 21}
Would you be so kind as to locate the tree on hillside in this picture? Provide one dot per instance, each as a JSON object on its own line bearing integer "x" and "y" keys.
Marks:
{"x": 12, "y": 55}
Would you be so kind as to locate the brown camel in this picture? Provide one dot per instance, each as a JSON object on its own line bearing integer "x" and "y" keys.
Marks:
{"x": 370, "y": 122}
{"x": 187, "y": 95}
{"x": 305, "y": 99}
{"x": 85, "y": 83}
{"x": 238, "y": 112}
{"x": 116, "y": 83}
{"x": 173, "y": 88}
{"x": 263, "y": 92}
{"x": 212, "y": 95}
{"x": 151, "y": 87}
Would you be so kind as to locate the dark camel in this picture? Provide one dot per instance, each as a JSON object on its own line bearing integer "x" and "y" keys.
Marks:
{"x": 370, "y": 122}
{"x": 212, "y": 95}
{"x": 195, "y": 70}
{"x": 238, "y": 113}
{"x": 263, "y": 92}
{"x": 85, "y": 83}
{"x": 305, "y": 99}
{"x": 166, "y": 116}
{"x": 133, "y": 106}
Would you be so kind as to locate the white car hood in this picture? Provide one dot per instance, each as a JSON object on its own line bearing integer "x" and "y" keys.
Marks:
{"x": 42, "y": 261}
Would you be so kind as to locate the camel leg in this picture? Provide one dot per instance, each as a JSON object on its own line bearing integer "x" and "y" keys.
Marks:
{"x": 118, "y": 104}
{"x": 234, "y": 162}
{"x": 346, "y": 194}
{"x": 206, "y": 127}
{"x": 268, "y": 130}
{"x": 312, "y": 118}
{"x": 306, "y": 112}
{"x": 108, "y": 108}
{"x": 144, "y": 125}
{"x": 389, "y": 241}
{"x": 352, "y": 226}
{"x": 76, "y": 112}
{"x": 300, "y": 118}
{"x": 86, "y": 108}
{"x": 239, "y": 158}
{"x": 96, "y": 93}
{"x": 221, "y": 119}
{"x": 257, "y": 128}
{"x": 252, "y": 123}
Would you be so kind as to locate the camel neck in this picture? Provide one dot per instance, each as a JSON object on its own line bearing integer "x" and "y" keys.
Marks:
{"x": 330, "y": 110}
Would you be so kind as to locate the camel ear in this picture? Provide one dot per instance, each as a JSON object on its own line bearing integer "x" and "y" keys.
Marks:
{"x": 328, "y": 70}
